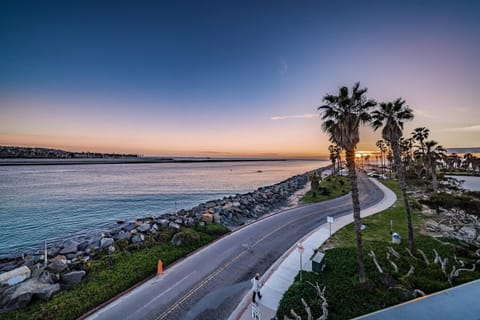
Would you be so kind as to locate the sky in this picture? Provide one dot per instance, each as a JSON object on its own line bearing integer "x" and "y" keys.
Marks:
{"x": 230, "y": 78}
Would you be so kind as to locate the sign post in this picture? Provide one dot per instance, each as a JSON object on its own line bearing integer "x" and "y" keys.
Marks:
{"x": 300, "y": 249}
{"x": 330, "y": 221}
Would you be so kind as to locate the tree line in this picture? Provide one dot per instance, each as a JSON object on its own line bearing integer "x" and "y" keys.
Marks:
{"x": 344, "y": 112}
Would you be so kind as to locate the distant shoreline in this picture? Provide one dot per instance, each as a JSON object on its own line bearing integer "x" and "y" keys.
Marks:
{"x": 35, "y": 162}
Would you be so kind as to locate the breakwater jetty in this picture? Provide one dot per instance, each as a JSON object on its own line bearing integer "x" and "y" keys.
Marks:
{"x": 26, "y": 276}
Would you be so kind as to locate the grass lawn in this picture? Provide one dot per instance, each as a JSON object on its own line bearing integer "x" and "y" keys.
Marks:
{"x": 330, "y": 187}
{"x": 346, "y": 297}
{"x": 112, "y": 274}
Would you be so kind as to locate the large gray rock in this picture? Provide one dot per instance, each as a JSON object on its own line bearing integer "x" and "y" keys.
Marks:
{"x": 144, "y": 227}
{"x": 111, "y": 250}
{"x": 70, "y": 246}
{"x": 19, "y": 296}
{"x": 106, "y": 242}
{"x": 138, "y": 238}
{"x": 71, "y": 278}
{"x": 48, "y": 278}
{"x": 58, "y": 264}
{"x": 173, "y": 225}
{"x": 163, "y": 222}
{"x": 129, "y": 226}
{"x": 124, "y": 235}
{"x": 83, "y": 245}
{"x": 15, "y": 276}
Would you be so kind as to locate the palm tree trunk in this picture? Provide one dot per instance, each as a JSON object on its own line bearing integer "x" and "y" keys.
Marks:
{"x": 434, "y": 175}
{"x": 403, "y": 186}
{"x": 350, "y": 155}
{"x": 339, "y": 165}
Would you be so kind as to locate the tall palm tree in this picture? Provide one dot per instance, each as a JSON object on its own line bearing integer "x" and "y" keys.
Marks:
{"x": 333, "y": 157}
{"x": 342, "y": 116}
{"x": 390, "y": 117}
{"x": 383, "y": 149}
{"x": 420, "y": 135}
{"x": 433, "y": 152}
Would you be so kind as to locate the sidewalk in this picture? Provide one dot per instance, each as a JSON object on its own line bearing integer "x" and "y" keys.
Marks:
{"x": 279, "y": 277}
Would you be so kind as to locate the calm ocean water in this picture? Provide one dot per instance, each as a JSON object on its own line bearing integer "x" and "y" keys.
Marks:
{"x": 51, "y": 202}
{"x": 468, "y": 182}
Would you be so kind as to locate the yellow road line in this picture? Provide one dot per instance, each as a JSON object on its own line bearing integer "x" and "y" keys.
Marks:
{"x": 213, "y": 275}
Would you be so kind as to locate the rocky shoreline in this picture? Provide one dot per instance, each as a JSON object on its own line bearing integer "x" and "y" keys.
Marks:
{"x": 27, "y": 276}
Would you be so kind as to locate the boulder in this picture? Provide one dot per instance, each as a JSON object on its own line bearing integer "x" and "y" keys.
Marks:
{"x": 173, "y": 225}
{"x": 129, "y": 226}
{"x": 163, "y": 222}
{"x": 124, "y": 235}
{"x": 207, "y": 217}
{"x": 106, "y": 242}
{"x": 71, "y": 278}
{"x": 19, "y": 296}
{"x": 111, "y": 249}
{"x": 83, "y": 245}
{"x": 53, "y": 251}
{"x": 58, "y": 264}
{"x": 144, "y": 227}
{"x": 138, "y": 238}
{"x": 15, "y": 276}
{"x": 9, "y": 265}
{"x": 48, "y": 278}
{"x": 70, "y": 246}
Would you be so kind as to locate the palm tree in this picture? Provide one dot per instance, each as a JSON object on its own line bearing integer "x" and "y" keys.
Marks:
{"x": 333, "y": 157}
{"x": 391, "y": 116}
{"x": 383, "y": 149}
{"x": 420, "y": 134}
{"x": 433, "y": 152}
{"x": 342, "y": 116}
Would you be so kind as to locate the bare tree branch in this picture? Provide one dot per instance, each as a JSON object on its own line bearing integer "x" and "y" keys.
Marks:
{"x": 372, "y": 255}
{"x": 424, "y": 256}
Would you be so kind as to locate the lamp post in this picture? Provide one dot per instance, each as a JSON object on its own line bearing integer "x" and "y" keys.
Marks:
{"x": 300, "y": 249}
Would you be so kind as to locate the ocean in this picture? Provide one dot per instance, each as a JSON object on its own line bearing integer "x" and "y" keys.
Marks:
{"x": 51, "y": 202}
{"x": 468, "y": 182}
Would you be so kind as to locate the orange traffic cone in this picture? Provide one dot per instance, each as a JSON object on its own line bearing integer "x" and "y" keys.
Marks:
{"x": 159, "y": 268}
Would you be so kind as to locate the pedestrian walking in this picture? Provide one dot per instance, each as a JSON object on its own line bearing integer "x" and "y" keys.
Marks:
{"x": 256, "y": 287}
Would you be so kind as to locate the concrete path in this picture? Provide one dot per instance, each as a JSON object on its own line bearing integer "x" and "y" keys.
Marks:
{"x": 281, "y": 274}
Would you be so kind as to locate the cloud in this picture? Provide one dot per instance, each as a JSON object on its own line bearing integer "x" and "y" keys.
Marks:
{"x": 296, "y": 116}
{"x": 422, "y": 113}
{"x": 473, "y": 128}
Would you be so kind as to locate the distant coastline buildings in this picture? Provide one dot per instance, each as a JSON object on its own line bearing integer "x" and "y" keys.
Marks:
{"x": 12, "y": 152}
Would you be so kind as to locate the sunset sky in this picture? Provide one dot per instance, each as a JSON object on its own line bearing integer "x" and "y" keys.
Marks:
{"x": 229, "y": 78}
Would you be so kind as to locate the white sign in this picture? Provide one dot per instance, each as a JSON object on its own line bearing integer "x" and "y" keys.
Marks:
{"x": 330, "y": 219}
{"x": 255, "y": 312}
{"x": 300, "y": 247}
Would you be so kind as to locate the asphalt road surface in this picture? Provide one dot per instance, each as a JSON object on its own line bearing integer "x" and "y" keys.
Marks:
{"x": 210, "y": 283}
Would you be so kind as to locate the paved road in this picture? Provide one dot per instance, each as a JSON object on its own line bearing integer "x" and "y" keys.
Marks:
{"x": 210, "y": 283}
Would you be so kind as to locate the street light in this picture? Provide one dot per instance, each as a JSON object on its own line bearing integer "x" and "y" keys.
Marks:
{"x": 300, "y": 249}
